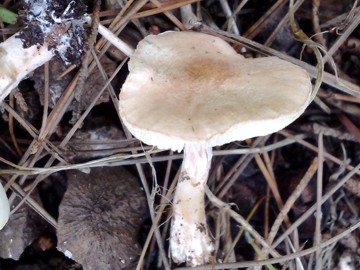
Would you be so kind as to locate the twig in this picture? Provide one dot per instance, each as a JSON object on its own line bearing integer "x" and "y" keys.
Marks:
{"x": 237, "y": 169}
{"x": 117, "y": 26}
{"x": 156, "y": 220}
{"x": 235, "y": 12}
{"x": 232, "y": 27}
{"x": 312, "y": 209}
{"x": 319, "y": 188}
{"x": 239, "y": 234}
{"x": 170, "y": 16}
{"x": 164, "y": 6}
{"x": 51, "y": 148}
{"x": 124, "y": 159}
{"x": 282, "y": 24}
{"x": 84, "y": 72}
{"x": 114, "y": 40}
{"x": 225, "y": 207}
{"x": 255, "y": 28}
{"x": 316, "y": 23}
{"x": 290, "y": 201}
{"x": 46, "y": 101}
{"x": 336, "y": 96}
{"x": 349, "y": 125}
{"x": 272, "y": 184}
{"x": 34, "y": 205}
{"x": 316, "y": 149}
{"x": 11, "y": 127}
{"x": 343, "y": 37}
{"x": 332, "y": 132}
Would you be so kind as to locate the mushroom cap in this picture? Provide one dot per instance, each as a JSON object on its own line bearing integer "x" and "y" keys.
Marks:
{"x": 99, "y": 218}
{"x": 193, "y": 88}
{"x": 4, "y": 207}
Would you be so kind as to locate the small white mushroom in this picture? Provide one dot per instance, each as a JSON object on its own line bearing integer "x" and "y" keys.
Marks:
{"x": 34, "y": 45}
{"x": 60, "y": 35}
{"x": 4, "y": 207}
{"x": 99, "y": 218}
{"x": 17, "y": 62}
{"x": 192, "y": 91}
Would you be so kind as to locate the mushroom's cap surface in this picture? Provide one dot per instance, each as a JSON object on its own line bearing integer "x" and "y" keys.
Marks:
{"x": 193, "y": 88}
{"x": 4, "y": 207}
{"x": 99, "y": 218}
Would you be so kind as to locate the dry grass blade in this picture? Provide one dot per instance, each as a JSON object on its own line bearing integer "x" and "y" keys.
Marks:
{"x": 316, "y": 150}
{"x": 290, "y": 201}
{"x": 163, "y": 7}
{"x": 343, "y": 37}
{"x": 272, "y": 184}
{"x": 129, "y": 159}
{"x": 241, "y": 231}
{"x": 319, "y": 190}
{"x": 11, "y": 127}
{"x": 312, "y": 209}
{"x": 34, "y": 205}
{"x": 156, "y": 221}
{"x": 253, "y": 31}
{"x": 225, "y": 207}
{"x": 282, "y": 24}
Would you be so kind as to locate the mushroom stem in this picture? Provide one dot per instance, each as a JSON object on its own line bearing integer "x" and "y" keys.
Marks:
{"x": 17, "y": 62}
{"x": 4, "y": 207}
{"x": 190, "y": 241}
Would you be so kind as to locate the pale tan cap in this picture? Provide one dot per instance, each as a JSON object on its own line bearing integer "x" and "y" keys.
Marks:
{"x": 193, "y": 88}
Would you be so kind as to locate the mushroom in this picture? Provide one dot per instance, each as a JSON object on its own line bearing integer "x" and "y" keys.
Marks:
{"x": 54, "y": 27}
{"x": 192, "y": 91}
{"x": 4, "y": 207}
{"x": 99, "y": 218}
